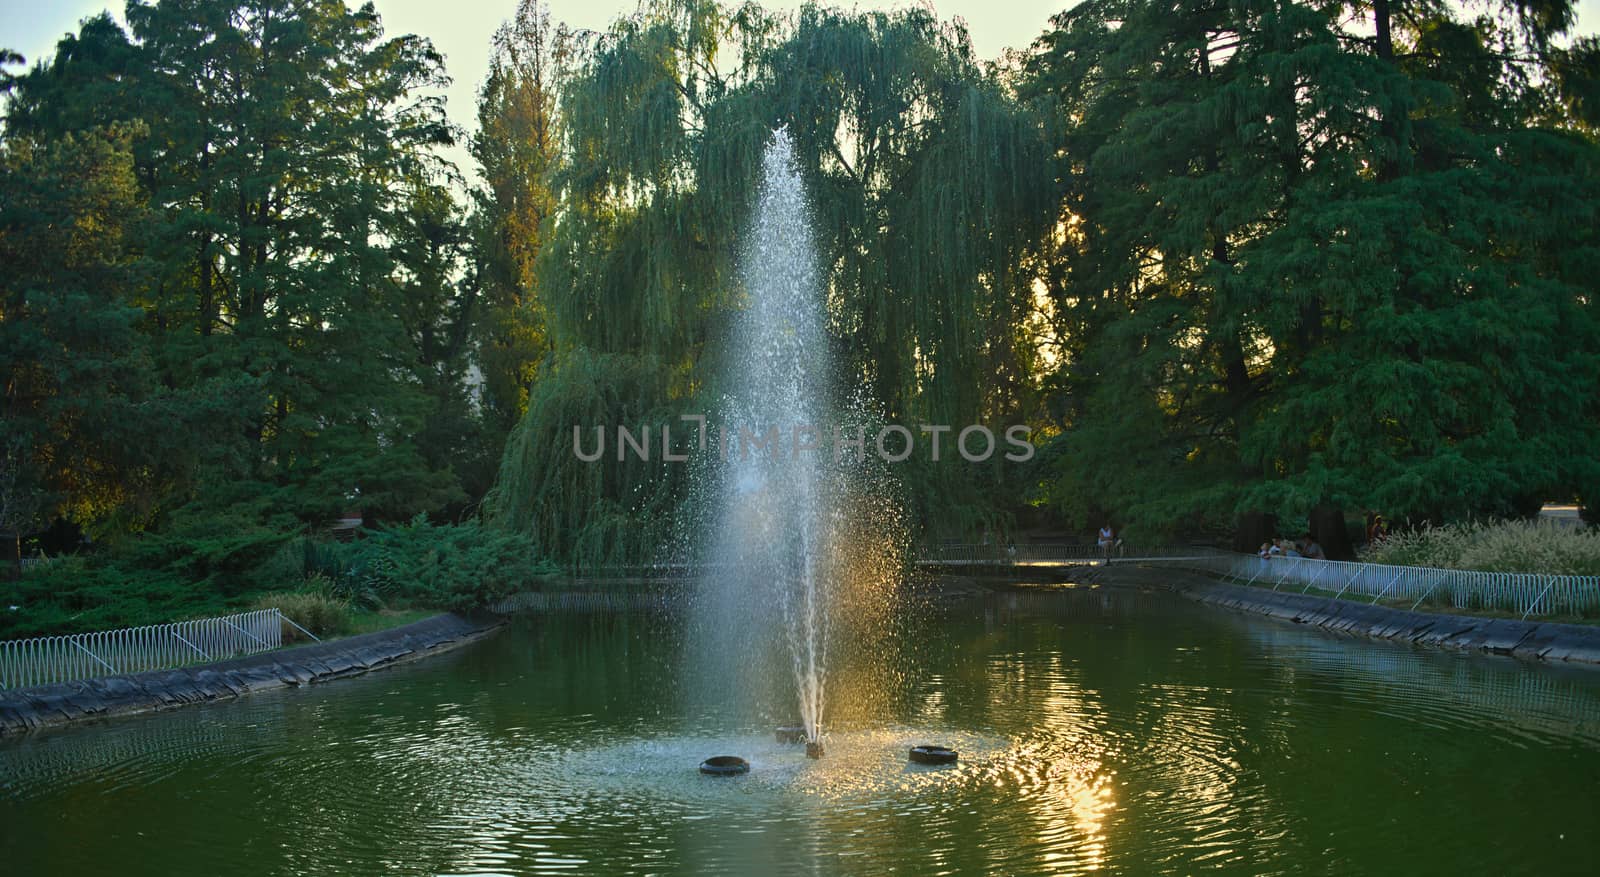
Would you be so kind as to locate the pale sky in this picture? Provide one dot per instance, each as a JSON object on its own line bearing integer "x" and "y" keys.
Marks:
{"x": 461, "y": 29}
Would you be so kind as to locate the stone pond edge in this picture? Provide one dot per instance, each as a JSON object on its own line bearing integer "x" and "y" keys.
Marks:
{"x": 42, "y": 706}
{"x": 1528, "y": 640}
{"x": 28, "y": 709}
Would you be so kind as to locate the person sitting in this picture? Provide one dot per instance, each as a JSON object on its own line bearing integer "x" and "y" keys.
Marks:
{"x": 1311, "y": 549}
{"x": 1286, "y": 548}
{"x": 1266, "y": 550}
{"x": 1377, "y": 528}
{"x": 1106, "y": 540}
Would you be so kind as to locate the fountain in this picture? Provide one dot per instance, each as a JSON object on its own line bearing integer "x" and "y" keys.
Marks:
{"x": 928, "y": 753}
{"x": 724, "y": 766}
{"x": 775, "y": 487}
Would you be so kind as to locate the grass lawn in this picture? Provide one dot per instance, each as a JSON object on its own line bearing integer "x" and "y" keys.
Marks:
{"x": 384, "y": 619}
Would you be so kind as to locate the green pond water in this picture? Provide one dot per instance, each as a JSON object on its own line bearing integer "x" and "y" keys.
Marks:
{"x": 1100, "y": 731}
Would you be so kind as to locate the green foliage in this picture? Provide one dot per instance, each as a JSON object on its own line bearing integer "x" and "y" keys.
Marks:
{"x": 932, "y": 194}
{"x": 1494, "y": 546}
{"x": 72, "y": 595}
{"x": 1304, "y": 269}
{"x": 451, "y": 566}
{"x": 589, "y": 514}
{"x": 517, "y": 149}
{"x": 200, "y": 566}
{"x": 1224, "y": 258}
{"x": 454, "y": 567}
{"x": 75, "y": 387}
{"x": 226, "y": 550}
{"x": 196, "y": 571}
{"x": 249, "y": 320}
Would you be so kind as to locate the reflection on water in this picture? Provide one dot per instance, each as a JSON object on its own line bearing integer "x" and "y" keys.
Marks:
{"x": 1100, "y": 731}
{"x": 1543, "y": 702}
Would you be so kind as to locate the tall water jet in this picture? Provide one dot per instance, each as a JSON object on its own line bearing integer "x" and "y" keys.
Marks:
{"x": 775, "y": 484}
{"x": 799, "y": 537}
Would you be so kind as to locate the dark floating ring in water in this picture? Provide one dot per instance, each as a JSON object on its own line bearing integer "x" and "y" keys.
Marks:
{"x": 933, "y": 755}
{"x": 792, "y": 734}
{"x": 724, "y": 765}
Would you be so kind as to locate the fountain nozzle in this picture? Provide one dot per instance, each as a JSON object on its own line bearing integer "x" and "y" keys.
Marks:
{"x": 814, "y": 749}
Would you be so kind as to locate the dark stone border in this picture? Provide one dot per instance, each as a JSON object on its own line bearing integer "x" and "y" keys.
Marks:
{"x": 26, "y": 709}
{"x": 1530, "y": 640}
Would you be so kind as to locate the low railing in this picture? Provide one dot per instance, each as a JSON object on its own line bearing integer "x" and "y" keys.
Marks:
{"x": 583, "y": 601}
{"x": 1028, "y": 552}
{"x": 1524, "y": 594}
{"x": 47, "y": 659}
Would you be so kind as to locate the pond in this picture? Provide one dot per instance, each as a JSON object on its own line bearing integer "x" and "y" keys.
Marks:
{"x": 1100, "y": 731}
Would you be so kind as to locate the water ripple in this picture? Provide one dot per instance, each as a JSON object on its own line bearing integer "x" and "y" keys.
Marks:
{"x": 1121, "y": 735}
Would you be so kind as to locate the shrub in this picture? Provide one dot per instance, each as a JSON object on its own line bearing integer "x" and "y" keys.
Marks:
{"x": 314, "y": 609}
{"x": 337, "y": 570}
{"x": 153, "y": 579}
{"x": 1495, "y": 546}
{"x": 75, "y": 594}
{"x": 456, "y": 567}
{"x": 285, "y": 568}
{"x": 230, "y": 551}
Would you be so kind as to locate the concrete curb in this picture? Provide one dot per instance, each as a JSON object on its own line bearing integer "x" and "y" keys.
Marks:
{"x": 41, "y": 706}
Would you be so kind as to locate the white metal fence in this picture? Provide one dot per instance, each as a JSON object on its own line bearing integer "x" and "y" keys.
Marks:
{"x": 1522, "y": 593}
{"x": 583, "y": 601}
{"x": 960, "y": 555}
{"x": 46, "y": 659}
{"x": 1525, "y": 594}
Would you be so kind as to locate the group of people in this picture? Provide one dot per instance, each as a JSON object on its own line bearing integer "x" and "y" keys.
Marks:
{"x": 1303, "y": 547}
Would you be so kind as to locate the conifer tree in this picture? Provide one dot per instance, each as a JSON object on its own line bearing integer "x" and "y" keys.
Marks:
{"x": 1314, "y": 267}
{"x": 299, "y": 244}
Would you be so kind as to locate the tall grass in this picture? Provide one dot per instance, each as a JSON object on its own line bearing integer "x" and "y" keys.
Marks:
{"x": 314, "y": 609}
{"x": 1494, "y": 546}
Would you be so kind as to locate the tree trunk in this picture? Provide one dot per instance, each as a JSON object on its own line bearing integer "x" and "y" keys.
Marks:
{"x": 1328, "y": 527}
{"x": 13, "y": 559}
{"x": 1384, "y": 40}
{"x": 1389, "y": 167}
{"x": 1254, "y": 528}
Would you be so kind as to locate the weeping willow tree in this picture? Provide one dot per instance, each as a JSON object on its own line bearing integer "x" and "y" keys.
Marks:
{"x": 932, "y": 190}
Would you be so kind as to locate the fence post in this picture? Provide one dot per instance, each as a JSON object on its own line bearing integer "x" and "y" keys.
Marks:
{"x": 92, "y": 655}
{"x": 283, "y": 617}
{"x": 1538, "y": 598}
{"x": 1286, "y": 573}
{"x": 179, "y": 637}
{"x": 1398, "y": 573}
{"x": 1259, "y": 570}
{"x": 1427, "y": 592}
{"x": 245, "y": 632}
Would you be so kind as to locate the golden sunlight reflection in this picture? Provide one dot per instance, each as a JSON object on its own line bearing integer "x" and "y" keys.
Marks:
{"x": 1057, "y": 773}
{"x": 865, "y": 569}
